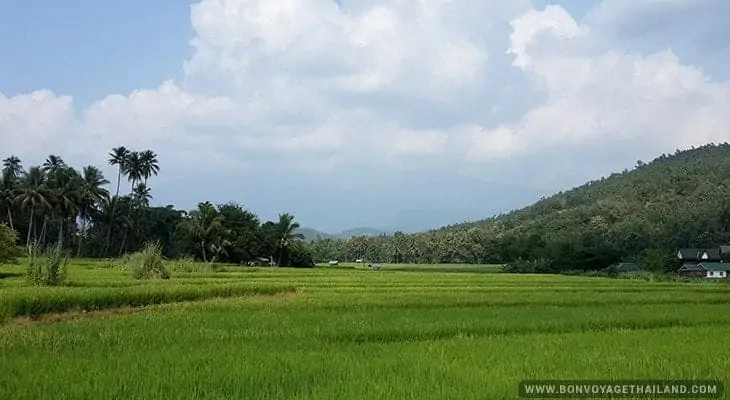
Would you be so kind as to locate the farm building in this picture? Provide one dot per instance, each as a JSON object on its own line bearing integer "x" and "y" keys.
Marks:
{"x": 712, "y": 270}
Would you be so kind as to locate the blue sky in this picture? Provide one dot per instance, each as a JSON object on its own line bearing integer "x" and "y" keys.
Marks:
{"x": 365, "y": 113}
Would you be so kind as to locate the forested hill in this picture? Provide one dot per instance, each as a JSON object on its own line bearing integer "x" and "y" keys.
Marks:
{"x": 674, "y": 201}
{"x": 689, "y": 188}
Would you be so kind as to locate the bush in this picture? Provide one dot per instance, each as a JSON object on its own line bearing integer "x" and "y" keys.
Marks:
{"x": 147, "y": 263}
{"x": 297, "y": 255}
{"x": 48, "y": 268}
{"x": 9, "y": 250}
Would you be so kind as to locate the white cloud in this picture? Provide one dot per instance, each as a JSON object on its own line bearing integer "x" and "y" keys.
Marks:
{"x": 612, "y": 95}
{"x": 392, "y": 79}
{"x": 30, "y": 121}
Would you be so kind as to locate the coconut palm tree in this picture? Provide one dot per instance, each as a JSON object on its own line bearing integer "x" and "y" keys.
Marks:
{"x": 65, "y": 184}
{"x": 118, "y": 156}
{"x": 150, "y": 164}
{"x": 204, "y": 225}
{"x": 12, "y": 167}
{"x": 7, "y": 201}
{"x": 11, "y": 172}
{"x": 134, "y": 168}
{"x": 91, "y": 194}
{"x": 32, "y": 195}
{"x": 141, "y": 194}
{"x": 53, "y": 163}
{"x": 286, "y": 228}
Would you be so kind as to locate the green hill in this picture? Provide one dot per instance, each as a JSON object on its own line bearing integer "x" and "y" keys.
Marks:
{"x": 676, "y": 200}
{"x": 643, "y": 214}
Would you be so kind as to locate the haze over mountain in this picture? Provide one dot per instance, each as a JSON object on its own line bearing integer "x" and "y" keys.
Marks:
{"x": 387, "y": 114}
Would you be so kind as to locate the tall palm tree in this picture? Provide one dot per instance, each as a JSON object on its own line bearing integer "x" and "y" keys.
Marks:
{"x": 32, "y": 195}
{"x": 7, "y": 197}
{"x": 287, "y": 232}
{"x": 53, "y": 163}
{"x": 150, "y": 164}
{"x": 134, "y": 168}
{"x": 118, "y": 157}
{"x": 65, "y": 185}
{"x": 12, "y": 167}
{"x": 91, "y": 193}
{"x": 11, "y": 172}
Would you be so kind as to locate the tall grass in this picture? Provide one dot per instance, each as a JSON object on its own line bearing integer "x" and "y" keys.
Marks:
{"x": 148, "y": 263}
{"x": 47, "y": 268}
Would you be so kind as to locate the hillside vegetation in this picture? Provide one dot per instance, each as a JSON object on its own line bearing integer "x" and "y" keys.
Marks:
{"x": 644, "y": 214}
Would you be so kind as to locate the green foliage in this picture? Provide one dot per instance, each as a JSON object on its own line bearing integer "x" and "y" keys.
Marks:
{"x": 297, "y": 255}
{"x": 47, "y": 268}
{"x": 9, "y": 250}
{"x": 148, "y": 263}
{"x": 44, "y": 202}
{"x": 659, "y": 261}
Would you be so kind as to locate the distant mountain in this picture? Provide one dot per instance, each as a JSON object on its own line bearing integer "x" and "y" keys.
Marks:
{"x": 311, "y": 234}
{"x": 362, "y": 231}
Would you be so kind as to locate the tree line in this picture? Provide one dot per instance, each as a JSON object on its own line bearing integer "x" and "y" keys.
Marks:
{"x": 640, "y": 215}
{"x": 54, "y": 204}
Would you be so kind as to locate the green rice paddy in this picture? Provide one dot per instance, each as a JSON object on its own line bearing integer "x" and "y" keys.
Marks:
{"x": 404, "y": 332}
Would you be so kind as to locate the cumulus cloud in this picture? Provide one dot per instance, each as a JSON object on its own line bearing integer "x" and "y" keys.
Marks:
{"x": 397, "y": 81}
{"x": 599, "y": 97}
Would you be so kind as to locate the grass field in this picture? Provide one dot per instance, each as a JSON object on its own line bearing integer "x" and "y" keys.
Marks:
{"x": 348, "y": 333}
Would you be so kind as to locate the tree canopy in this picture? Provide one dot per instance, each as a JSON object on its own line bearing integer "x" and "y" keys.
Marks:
{"x": 54, "y": 203}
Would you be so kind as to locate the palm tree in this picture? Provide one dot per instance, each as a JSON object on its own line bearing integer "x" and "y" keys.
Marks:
{"x": 204, "y": 225}
{"x": 12, "y": 167}
{"x": 150, "y": 165}
{"x": 53, "y": 163}
{"x": 7, "y": 190}
{"x": 141, "y": 194}
{"x": 286, "y": 228}
{"x": 91, "y": 193}
{"x": 118, "y": 157}
{"x": 32, "y": 195}
{"x": 134, "y": 168}
{"x": 11, "y": 172}
{"x": 66, "y": 184}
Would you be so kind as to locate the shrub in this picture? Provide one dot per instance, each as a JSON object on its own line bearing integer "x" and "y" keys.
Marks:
{"x": 48, "y": 268}
{"x": 9, "y": 250}
{"x": 297, "y": 255}
{"x": 147, "y": 263}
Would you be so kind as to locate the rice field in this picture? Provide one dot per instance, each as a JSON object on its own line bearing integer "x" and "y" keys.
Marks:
{"x": 404, "y": 332}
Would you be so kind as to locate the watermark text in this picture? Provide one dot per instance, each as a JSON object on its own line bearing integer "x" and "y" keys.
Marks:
{"x": 650, "y": 389}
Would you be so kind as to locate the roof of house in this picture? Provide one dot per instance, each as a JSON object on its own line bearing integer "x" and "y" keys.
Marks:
{"x": 707, "y": 266}
{"x": 699, "y": 254}
{"x": 689, "y": 254}
{"x": 724, "y": 249}
{"x": 711, "y": 254}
